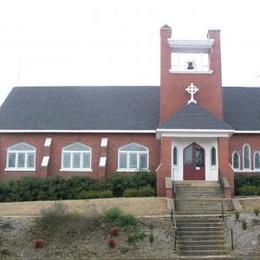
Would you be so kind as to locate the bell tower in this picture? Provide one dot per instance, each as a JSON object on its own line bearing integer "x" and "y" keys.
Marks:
{"x": 186, "y": 62}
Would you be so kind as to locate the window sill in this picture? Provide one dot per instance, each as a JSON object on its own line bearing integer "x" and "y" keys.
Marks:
{"x": 20, "y": 170}
{"x": 75, "y": 170}
{"x": 131, "y": 170}
{"x": 190, "y": 72}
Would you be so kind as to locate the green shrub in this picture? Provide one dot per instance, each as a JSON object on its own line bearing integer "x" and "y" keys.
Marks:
{"x": 151, "y": 238}
{"x": 135, "y": 237}
{"x": 126, "y": 220}
{"x": 147, "y": 191}
{"x": 243, "y": 180}
{"x": 120, "y": 218}
{"x": 247, "y": 190}
{"x": 256, "y": 211}
{"x": 119, "y": 182}
{"x": 113, "y": 213}
{"x": 95, "y": 194}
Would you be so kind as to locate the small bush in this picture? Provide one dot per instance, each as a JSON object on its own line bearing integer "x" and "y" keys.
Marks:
{"x": 256, "y": 211}
{"x": 237, "y": 214}
{"x": 247, "y": 190}
{"x": 95, "y": 194}
{"x": 247, "y": 181}
{"x": 126, "y": 220}
{"x": 244, "y": 224}
{"x": 135, "y": 237}
{"x": 113, "y": 214}
{"x": 147, "y": 191}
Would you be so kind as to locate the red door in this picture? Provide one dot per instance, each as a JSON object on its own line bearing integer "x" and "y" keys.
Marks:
{"x": 194, "y": 162}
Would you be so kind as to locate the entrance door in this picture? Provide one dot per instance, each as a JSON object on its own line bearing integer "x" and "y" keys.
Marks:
{"x": 194, "y": 162}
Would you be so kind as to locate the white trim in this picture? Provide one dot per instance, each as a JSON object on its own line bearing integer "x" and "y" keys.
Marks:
{"x": 20, "y": 170}
{"x": 256, "y": 152}
{"x": 195, "y": 130}
{"x": 128, "y": 158}
{"x": 76, "y": 170}
{"x": 191, "y": 45}
{"x": 47, "y": 142}
{"x": 190, "y": 71}
{"x": 243, "y": 158}
{"x": 239, "y": 162}
{"x": 246, "y": 132}
{"x": 45, "y": 161}
{"x": 104, "y": 142}
{"x": 79, "y": 131}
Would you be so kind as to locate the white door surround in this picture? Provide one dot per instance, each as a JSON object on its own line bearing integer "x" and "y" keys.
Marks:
{"x": 211, "y": 171}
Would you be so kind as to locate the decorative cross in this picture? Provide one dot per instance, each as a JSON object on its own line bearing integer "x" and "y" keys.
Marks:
{"x": 192, "y": 89}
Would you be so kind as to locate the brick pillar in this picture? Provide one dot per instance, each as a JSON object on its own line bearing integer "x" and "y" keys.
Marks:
{"x": 164, "y": 171}
{"x": 224, "y": 165}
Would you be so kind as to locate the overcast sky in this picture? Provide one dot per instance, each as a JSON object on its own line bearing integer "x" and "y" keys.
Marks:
{"x": 116, "y": 42}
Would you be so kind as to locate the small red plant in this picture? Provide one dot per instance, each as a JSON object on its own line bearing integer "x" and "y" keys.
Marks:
{"x": 39, "y": 243}
{"x": 111, "y": 242}
{"x": 114, "y": 231}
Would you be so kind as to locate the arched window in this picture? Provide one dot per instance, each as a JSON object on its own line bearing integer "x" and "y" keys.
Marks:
{"x": 133, "y": 157}
{"x": 21, "y": 156}
{"x": 257, "y": 160}
{"x": 76, "y": 157}
{"x": 246, "y": 156}
{"x": 175, "y": 156}
{"x": 213, "y": 156}
{"x": 235, "y": 160}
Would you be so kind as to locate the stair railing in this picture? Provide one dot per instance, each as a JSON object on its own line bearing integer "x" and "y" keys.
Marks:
{"x": 173, "y": 217}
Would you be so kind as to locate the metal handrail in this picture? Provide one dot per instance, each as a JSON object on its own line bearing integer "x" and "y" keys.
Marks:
{"x": 173, "y": 218}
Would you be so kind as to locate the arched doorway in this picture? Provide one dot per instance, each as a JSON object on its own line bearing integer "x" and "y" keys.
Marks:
{"x": 193, "y": 162}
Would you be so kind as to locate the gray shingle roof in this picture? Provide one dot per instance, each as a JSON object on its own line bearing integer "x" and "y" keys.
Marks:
{"x": 117, "y": 108}
{"x": 81, "y": 108}
{"x": 242, "y": 107}
{"x": 193, "y": 116}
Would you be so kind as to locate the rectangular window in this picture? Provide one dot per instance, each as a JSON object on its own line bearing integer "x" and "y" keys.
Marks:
{"x": 86, "y": 160}
{"x": 11, "y": 160}
{"x": 66, "y": 160}
{"x": 133, "y": 161}
{"x": 123, "y": 160}
{"x": 76, "y": 160}
{"x": 21, "y": 160}
{"x": 143, "y": 161}
{"x": 30, "y": 160}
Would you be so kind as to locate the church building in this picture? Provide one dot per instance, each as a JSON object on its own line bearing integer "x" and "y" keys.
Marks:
{"x": 188, "y": 128}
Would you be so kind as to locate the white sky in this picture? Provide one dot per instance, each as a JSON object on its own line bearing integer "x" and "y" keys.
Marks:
{"x": 116, "y": 42}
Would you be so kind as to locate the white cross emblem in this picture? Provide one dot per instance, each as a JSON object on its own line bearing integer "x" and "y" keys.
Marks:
{"x": 192, "y": 89}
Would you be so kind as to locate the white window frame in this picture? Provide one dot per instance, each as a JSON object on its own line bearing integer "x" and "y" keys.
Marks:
{"x": 213, "y": 166}
{"x": 249, "y": 154}
{"x": 128, "y": 169}
{"x": 81, "y": 152}
{"x": 256, "y": 152}
{"x": 16, "y": 152}
{"x": 239, "y": 165}
{"x": 177, "y": 157}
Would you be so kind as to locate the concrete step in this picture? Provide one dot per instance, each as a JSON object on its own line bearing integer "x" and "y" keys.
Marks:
{"x": 201, "y": 247}
{"x": 201, "y": 224}
{"x": 208, "y": 253}
{"x": 195, "y": 238}
{"x": 181, "y": 233}
{"x": 201, "y": 242}
{"x": 202, "y": 228}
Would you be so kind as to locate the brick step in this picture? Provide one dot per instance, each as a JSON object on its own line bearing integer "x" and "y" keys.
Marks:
{"x": 209, "y": 253}
{"x": 204, "y": 242}
{"x": 184, "y": 248}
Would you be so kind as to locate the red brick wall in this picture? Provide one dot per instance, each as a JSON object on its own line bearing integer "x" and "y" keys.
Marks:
{"x": 236, "y": 144}
{"x": 59, "y": 140}
{"x": 173, "y": 95}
